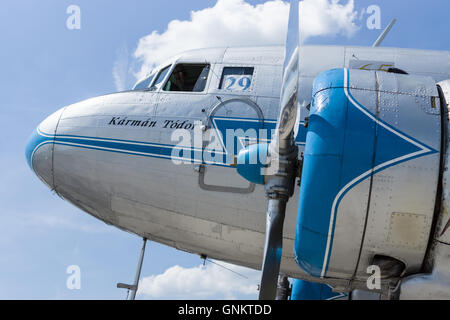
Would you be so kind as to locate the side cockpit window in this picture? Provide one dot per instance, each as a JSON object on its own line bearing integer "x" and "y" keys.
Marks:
{"x": 236, "y": 79}
{"x": 188, "y": 78}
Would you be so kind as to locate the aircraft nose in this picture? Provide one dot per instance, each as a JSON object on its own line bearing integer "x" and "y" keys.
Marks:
{"x": 39, "y": 149}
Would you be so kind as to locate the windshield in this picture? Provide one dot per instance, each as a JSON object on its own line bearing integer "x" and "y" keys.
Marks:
{"x": 144, "y": 83}
{"x": 152, "y": 82}
{"x": 161, "y": 76}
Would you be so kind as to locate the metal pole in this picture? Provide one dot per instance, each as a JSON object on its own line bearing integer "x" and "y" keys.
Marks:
{"x": 384, "y": 34}
{"x": 138, "y": 272}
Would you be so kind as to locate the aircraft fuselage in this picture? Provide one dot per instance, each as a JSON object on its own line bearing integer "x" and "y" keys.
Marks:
{"x": 112, "y": 156}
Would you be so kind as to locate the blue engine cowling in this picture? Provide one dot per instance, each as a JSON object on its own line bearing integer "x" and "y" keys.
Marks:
{"x": 305, "y": 290}
{"x": 370, "y": 173}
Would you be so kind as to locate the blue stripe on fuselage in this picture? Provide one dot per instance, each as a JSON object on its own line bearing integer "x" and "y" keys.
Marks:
{"x": 165, "y": 151}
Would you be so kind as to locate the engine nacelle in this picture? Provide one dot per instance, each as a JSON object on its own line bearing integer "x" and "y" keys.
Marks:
{"x": 370, "y": 174}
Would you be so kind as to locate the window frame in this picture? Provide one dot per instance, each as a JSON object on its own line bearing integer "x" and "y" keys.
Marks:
{"x": 177, "y": 63}
{"x": 169, "y": 67}
{"x": 153, "y": 73}
{"x": 252, "y": 84}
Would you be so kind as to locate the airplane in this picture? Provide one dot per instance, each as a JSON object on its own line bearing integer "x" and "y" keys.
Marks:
{"x": 351, "y": 172}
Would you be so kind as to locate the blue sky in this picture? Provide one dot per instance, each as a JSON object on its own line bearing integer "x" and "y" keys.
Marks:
{"x": 45, "y": 66}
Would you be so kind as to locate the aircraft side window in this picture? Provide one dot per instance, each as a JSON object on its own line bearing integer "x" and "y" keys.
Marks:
{"x": 160, "y": 78}
{"x": 145, "y": 83}
{"x": 188, "y": 78}
{"x": 236, "y": 78}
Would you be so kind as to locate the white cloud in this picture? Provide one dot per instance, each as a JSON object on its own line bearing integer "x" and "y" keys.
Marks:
{"x": 327, "y": 18}
{"x": 237, "y": 23}
{"x": 68, "y": 222}
{"x": 209, "y": 282}
{"x": 120, "y": 69}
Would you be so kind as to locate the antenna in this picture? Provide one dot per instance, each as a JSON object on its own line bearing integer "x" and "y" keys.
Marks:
{"x": 205, "y": 258}
{"x": 384, "y": 34}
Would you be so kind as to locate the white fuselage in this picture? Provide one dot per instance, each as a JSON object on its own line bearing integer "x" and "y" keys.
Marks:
{"x": 111, "y": 155}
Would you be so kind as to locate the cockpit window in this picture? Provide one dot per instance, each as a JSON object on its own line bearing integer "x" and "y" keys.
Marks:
{"x": 160, "y": 78}
{"x": 188, "y": 78}
{"x": 145, "y": 83}
{"x": 236, "y": 78}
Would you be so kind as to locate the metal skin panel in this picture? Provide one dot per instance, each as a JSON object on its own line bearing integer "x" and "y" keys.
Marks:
{"x": 418, "y": 62}
{"x": 443, "y": 227}
{"x": 262, "y": 55}
{"x": 212, "y": 55}
{"x": 434, "y": 284}
{"x": 42, "y": 164}
{"x": 268, "y": 87}
{"x": 352, "y": 145}
{"x": 423, "y": 62}
{"x": 330, "y": 57}
{"x": 122, "y": 174}
{"x": 405, "y": 104}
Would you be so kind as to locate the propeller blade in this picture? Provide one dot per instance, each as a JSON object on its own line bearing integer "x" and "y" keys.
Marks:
{"x": 273, "y": 249}
{"x": 289, "y": 88}
{"x": 283, "y": 155}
